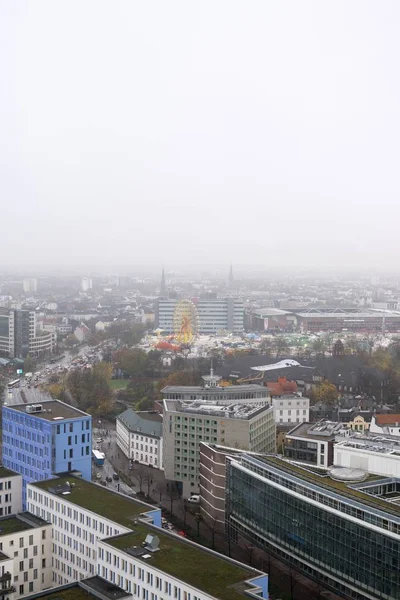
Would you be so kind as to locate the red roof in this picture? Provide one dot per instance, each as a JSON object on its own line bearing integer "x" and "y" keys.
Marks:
{"x": 282, "y": 386}
{"x": 387, "y": 419}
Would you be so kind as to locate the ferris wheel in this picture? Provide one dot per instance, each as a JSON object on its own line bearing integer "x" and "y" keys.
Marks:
{"x": 186, "y": 321}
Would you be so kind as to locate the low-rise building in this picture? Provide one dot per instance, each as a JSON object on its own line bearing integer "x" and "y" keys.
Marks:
{"x": 291, "y": 408}
{"x": 140, "y": 438}
{"x": 388, "y": 424}
{"x": 374, "y": 453}
{"x": 312, "y": 443}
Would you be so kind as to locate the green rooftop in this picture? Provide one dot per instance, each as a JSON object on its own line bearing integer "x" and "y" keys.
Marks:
{"x": 72, "y": 593}
{"x": 13, "y": 525}
{"x": 98, "y": 499}
{"x": 211, "y": 573}
{"x": 4, "y": 472}
{"x": 337, "y": 486}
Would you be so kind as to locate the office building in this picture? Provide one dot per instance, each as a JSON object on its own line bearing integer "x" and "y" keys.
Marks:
{"x": 338, "y": 528}
{"x": 375, "y": 453}
{"x": 213, "y": 315}
{"x": 312, "y": 443}
{"x": 291, "y": 408}
{"x": 98, "y": 532}
{"x": 30, "y": 285}
{"x": 18, "y": 336}
{"x": 41, "y": 440}
{"x": 25, "y": 555}
{"x": 238, "y": 424}
{"x": 139, "y": 437}
{"x": 213, "y": 481}
{"x": 86, "y": 284}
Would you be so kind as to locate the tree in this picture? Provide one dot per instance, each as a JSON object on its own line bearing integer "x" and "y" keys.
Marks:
{"x": 29, "y": 364}
{"x": 281, "y": 346}
{"x": 326, "y": 392}
{"x": 319, "y": 346}
{"x": 91, "y": 388}
{"x": 212, "y": 525}
{"x": 133, "y": 363}
{"x": 160, "y": 488}
{"x": 140, "y": 474}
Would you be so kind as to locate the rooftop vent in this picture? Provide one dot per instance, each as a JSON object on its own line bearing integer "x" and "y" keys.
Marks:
{"x": 34, "y": 408}
{"x": 152, "y": 542}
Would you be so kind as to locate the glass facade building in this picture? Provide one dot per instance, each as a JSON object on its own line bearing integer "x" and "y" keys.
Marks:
{"x": 324, "y": 528}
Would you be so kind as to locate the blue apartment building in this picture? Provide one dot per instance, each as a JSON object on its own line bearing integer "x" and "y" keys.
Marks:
{"x": 42, "y": 440}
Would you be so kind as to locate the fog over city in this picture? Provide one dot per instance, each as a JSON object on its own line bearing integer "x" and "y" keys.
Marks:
{"x": 199, "y": 133}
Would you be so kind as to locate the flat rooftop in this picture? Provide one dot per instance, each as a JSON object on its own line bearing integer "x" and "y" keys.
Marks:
{"x": 322, "y": 431}
{"x": 4, "y": 472}
{"x": 100, "y": 500}
{"x": 354, "y": 493}
{"x": 87, "y": 589}
{"x": 217, "y": 409}
{"x": 210, "y": 572}
{"x": 207, "y": 391}
{"x": 14, "y": 524}
{"x": 53, "y": 410}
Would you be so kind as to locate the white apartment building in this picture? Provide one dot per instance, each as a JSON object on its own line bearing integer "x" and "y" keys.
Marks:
{"x": 139, "y": 436}
{"x": 10, "y": 492}
{"x": 374, "y": 453}
{"x": 291, "y": 408}
{"x": 30, "y": 285}
{"x": 25, "y": 555}
{"x": 186, "y": 424}
{"x": 98, "y": 532}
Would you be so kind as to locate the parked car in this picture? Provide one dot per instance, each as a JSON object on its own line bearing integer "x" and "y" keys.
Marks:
{"x": 116, "y": 477}
{"x": 195, "y": 499}
{"x": 109, "y": 479}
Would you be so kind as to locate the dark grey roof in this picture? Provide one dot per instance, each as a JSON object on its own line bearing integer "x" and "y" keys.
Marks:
{"x": 147, "y": 423}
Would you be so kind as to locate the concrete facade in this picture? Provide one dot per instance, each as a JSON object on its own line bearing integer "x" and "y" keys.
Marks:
{"x": 186, "y": 424}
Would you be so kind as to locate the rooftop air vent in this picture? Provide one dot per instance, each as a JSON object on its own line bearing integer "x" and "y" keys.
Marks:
{"x": 152, "y": 542}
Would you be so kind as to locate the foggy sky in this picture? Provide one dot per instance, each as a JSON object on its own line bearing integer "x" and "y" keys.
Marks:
{"x": 177, "y": 133}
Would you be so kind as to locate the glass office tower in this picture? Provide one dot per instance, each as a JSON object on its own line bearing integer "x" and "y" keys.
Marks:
{"x": 337, "y": 534}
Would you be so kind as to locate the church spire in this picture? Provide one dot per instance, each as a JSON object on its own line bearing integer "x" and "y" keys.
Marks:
{"x": 231, "y": 279}
{"x": 163, "y": 287}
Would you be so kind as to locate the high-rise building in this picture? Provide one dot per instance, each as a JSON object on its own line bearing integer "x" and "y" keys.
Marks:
{"x": 18, "y": 336}
{"x": 339, "y": 527}
{"x": 163, "y": 286}
{"x": 30, "y": 285}
{"x": 86, "y": 284}
{"x": 213, "y": 314}
{"x": 41, "y": 440}
{"x": 235, "y": 416}
{"x": 17, "y": 331}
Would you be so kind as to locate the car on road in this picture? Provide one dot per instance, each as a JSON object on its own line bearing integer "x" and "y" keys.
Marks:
{"x": 195, "y": 499}
{"x": 103, "y": 482}
{"x": 99, "y": 441}
{"x": 109, "y": 479}
{"x": 116, "y": 477}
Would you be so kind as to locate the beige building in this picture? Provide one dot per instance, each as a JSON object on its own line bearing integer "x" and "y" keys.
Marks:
{"x": 186, "y": 424}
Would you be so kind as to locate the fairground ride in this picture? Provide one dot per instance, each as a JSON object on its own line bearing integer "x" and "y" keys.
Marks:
{"x": 186, "y": 322}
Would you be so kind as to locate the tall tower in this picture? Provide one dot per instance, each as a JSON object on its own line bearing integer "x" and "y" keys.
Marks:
{"x": 163, "y": 287}
{"x": 230, "y": 278}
